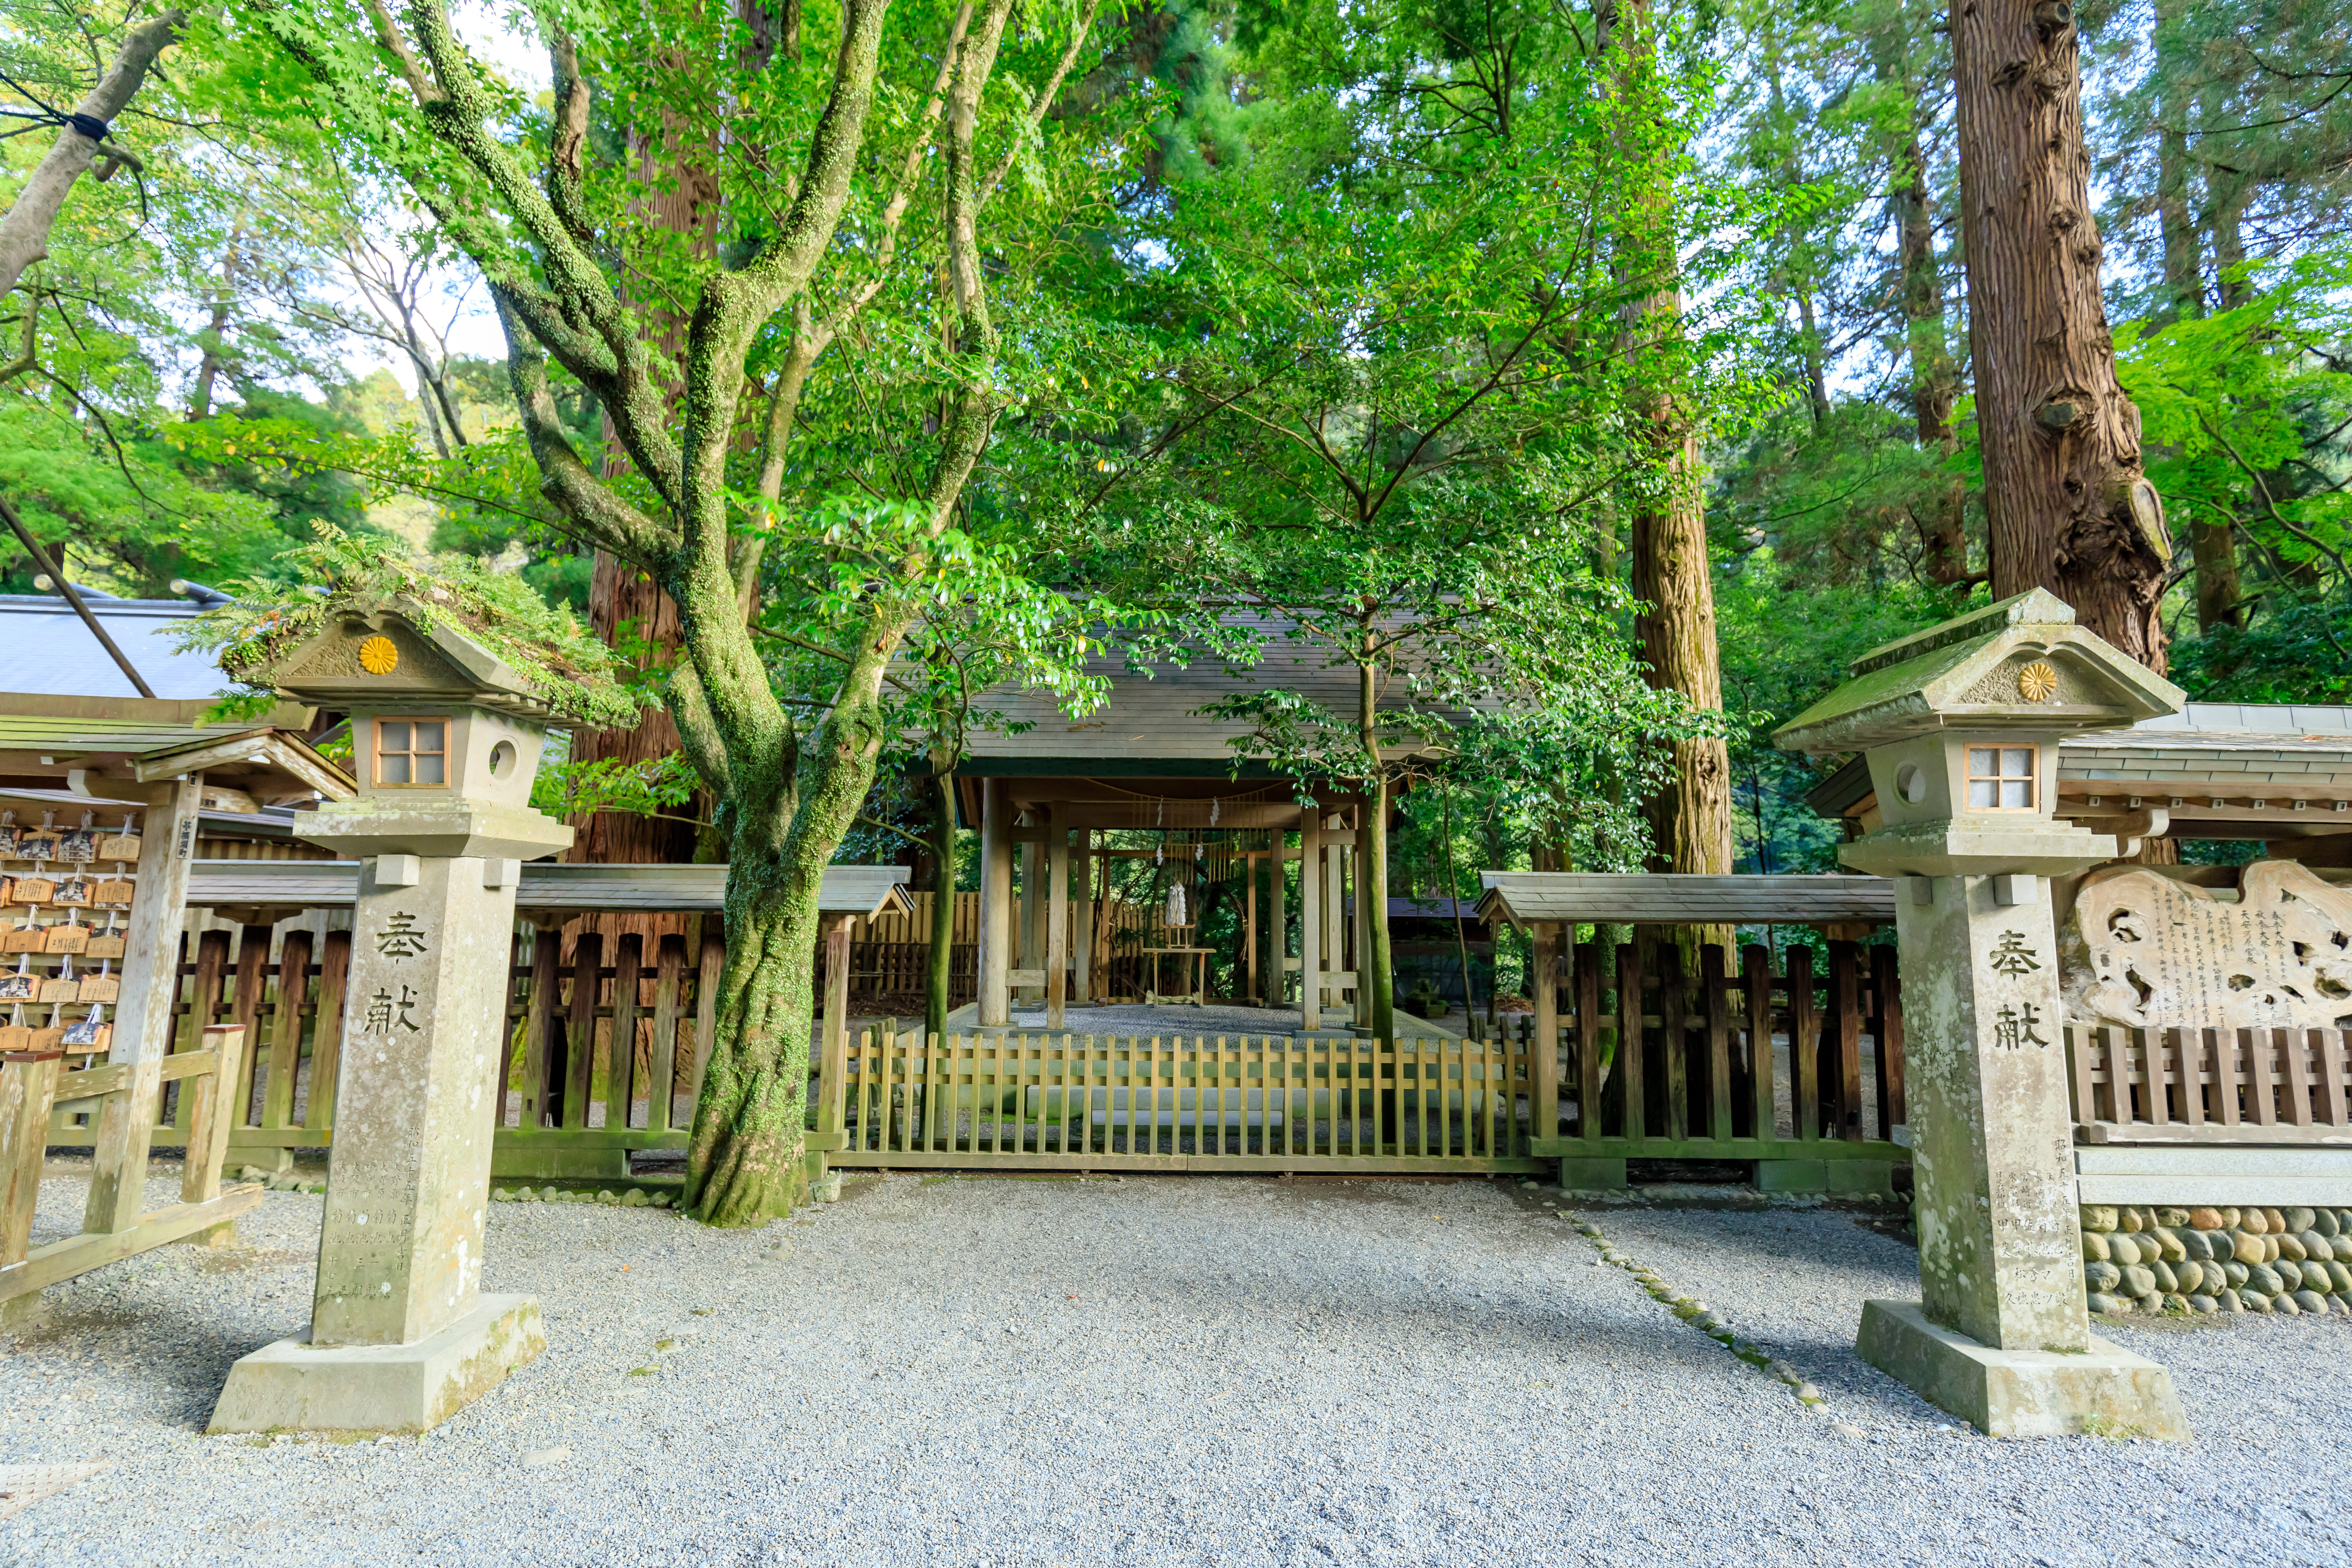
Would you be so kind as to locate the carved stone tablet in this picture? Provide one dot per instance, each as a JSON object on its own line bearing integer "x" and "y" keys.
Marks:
{"x": 2142, "y": 950}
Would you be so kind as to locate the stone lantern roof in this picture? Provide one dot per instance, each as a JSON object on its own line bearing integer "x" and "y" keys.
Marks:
{"x": 2019, "y": 666}
{"x": 402, "y": 654}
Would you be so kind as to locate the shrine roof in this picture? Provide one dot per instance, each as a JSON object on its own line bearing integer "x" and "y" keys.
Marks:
{"x": 546, "y": 885}
{"x": 1660, "y": 898}
{"x": 1148, "y": 725}
{"x": 130, "y": 738}
{"x": 45, "y": 648}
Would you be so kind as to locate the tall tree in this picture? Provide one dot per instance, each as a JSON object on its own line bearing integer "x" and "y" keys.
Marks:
{"x": 794, "y": 600}
{"x": 2067, "y": 507}
{"x": 1690, "y": 818}
{"x": 1934, "y": 376}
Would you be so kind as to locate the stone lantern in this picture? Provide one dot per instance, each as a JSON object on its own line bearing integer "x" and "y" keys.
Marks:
{"x": 1960, "y": 726}
{"x": 446, "y": 740}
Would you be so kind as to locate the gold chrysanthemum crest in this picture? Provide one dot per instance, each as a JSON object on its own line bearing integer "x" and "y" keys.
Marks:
{"x": 2037, "y": 682}
{"x": 379, "y": 656}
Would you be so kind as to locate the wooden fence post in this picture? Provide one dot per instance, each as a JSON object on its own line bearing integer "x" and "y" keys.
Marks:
{"x": 1845, "y": 995}
{"x": 1630, "y": 1036}
{"x": 1588, "y": 1121}
{"x": 1545, "y": 1044}
{"x": 327, "y": 1034}
{"x": 1804, "y": 1047}
{"x": 540, "y": 1025}
{"x": 1673, "y": 1023}
{"x": 1893, "y": 1110}
{"x": 247, "y": 998}
{"x": 285, "y": 1028}
{"x": 661, "y": 1065}
{"x": 579, "y": 1033}
{"x": 1716, "y": 988}
{"x": 620, "y": 1058}
{"x": 1755, "y": 1001}
{"x": 28, "y": 1082}
{"x": 835, "y": 1062}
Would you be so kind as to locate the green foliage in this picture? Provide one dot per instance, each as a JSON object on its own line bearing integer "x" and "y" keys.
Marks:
{"x": 663, "y": 786}
{"x": 1787, "y": 640}
{"x": 560, "y": 663}
{"x": 2245, "y": 412}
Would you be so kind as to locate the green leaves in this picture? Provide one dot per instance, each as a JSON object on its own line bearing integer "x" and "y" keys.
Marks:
{"x": 572, "y": 672}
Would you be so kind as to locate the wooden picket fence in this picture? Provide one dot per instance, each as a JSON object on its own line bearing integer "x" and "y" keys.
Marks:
{"x": 583, "y": 1088}
{"x": 890, "y": 1099}
{"x": 1705, "y": 1083}
{"x": 2189, "y": 1085}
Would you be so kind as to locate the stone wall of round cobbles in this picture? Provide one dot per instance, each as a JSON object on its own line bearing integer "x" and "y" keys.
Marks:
{"x": 2217, "y": 1259}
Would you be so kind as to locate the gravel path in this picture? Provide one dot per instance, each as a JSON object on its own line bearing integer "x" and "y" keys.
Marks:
{"x": 1152, "y": 1370}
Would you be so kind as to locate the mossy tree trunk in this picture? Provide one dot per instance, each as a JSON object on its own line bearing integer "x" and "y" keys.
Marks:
{"x": 790, "y": 790}
{"x": 1377, "y": 975}
{"x": 939, "y": 974}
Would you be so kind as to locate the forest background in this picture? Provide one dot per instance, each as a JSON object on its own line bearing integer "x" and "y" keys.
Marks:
{"x": 1459, "y": 334}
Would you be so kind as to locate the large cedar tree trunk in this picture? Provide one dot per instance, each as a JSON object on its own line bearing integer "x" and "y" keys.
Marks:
{"x": 1934, "y": 376}
{"x": 1690, "y": 818}
{"x": 2061, "y": 441}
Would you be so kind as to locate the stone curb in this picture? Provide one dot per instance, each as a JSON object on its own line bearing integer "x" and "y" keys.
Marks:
{"x": 1705, "y": 1318}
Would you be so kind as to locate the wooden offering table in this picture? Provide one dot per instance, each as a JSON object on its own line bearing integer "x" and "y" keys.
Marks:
{"x": 1199, "y": 993}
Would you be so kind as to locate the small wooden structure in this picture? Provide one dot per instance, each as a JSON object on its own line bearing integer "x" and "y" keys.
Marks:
{"x": 1149, "y": 765}
{"x": 130, "y": 778}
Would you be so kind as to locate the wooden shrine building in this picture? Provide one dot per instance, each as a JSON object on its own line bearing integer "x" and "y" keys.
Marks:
{"x": 1049, "y": 791}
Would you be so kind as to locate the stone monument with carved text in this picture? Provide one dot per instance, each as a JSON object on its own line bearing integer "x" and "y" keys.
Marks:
{"x": 446, "y": 739}
{"x": 1960, "y": 726}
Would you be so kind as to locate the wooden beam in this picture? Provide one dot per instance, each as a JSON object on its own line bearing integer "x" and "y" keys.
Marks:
{"x": 1310, "y": 919}
{"x": 142, "y": 1019}
{"x": 995, "y": 905}
{"x": 1058, "y": 920}
{"x": 61, "y": 1260}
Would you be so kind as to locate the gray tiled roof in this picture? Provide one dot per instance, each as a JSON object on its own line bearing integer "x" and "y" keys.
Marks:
{"x": 44, "y": 649}
{"x": 546, "y": 885}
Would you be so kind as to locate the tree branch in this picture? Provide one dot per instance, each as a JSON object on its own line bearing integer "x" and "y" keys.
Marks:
{"x": 24, "y": 232}
{"x": 1045, "y": 103}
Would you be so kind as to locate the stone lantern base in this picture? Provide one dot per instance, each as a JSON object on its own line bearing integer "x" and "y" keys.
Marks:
{"x": 290, "y": 1386}
{"x": 2104, "y": 1390}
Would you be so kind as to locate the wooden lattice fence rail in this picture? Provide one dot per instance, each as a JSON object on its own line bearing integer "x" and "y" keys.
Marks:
{"x": 1717, "y": 1055}
{"x": 1116, "y": 1103}
{"x": 570, "y": 1111}
{"x": 2195, "y": 1085}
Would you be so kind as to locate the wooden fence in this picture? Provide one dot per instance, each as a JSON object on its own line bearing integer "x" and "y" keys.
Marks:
{"x": 1794, "y": 1071}
{"x": 575, "y": 1103}
{"x": 2210, "y": 1085}
{"x": 1103, "y": 1103}
{"x": 889, "y": 954}
{"x": 116, "y": 1224}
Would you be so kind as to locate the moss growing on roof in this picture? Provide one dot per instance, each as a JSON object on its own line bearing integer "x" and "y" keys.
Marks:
{"x": 562, "y": 663}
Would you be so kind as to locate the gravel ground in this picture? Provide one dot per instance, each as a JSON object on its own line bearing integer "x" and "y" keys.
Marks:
{"x": 1150, "y": 1370}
